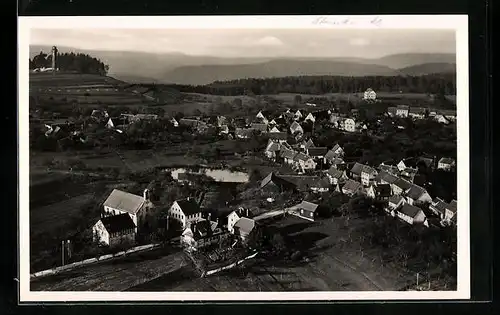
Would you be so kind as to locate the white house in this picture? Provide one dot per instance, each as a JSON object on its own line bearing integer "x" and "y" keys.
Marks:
{"x": 310, "y": 117}
{"x": 349, "y": 125}
{"x": 232, "y": 218}
{"x": 441, "y": 119}
{"x": 110, "y": 124}
{"x": 446, "y": 164}
{"x": 296, "y": 128}
{"x": 121, "y": 202}
{"x": 411, "y": 215}
{"x": 336, "y": 176}
{"x": 394, "y": 202}
{"x": 417, "y": 195}
{"x": 402, "y": 110}
{"x": 185, "y": 211}
{"x": 304, "y": 162}
{"x": 174, "y": 122}
{"x": 401, "y": 165}
{"x": 114, "y": 230}
{"x": 261, "y": 117}
{"x": 352, "y": 187}
{"x": 274, "y": 130}
{"x": 369, "y": 95}
{"x": 367, "y": 175}
{"x": 298, "y": 115}
{"x": 272, "y": 149}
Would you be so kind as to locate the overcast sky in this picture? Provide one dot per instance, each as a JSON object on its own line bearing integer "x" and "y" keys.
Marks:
{"x": 254, "y": 43}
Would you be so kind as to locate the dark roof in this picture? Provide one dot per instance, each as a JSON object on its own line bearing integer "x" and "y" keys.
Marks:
{"x": 447, "y": 160}
{"x": 391, "y": 110}
{"x": 426, "y": 161}
{"x": 259, "y": 127}
{"x": 368, "y": 169}
{"x": 118, "y": 223}
{"x": 124, "y": 201}
{"x": 189, "y": 206}
{"x": 403, "y": 184}
{"x": 335, "y": 173}
{"x": 405, "y": 107}
{"x": 417, "y": 110}
{"x": 277, "y": 180}
{"x": 357, "y": 168}
{"x": 387, "y": 177}
{"x": 395, "y": 199}
{"x": 278, "y": 135}
{"x": 295, "y": 126}
{"x": 453, "y": 206}
{"x": 301, "y": 157}
{"x": 318, "y": 151}
{"x": 304, "y": 182}
{"x": 383, "y": 190}
{"x": 389, "y": 169}
{"x": 351, "y": 185}
{"x": 447, "y": 112}
{"x": 189, "y": 122}
{"x": 439, "y": 205}
{"x": 203, "y": 228}
{"x": 410, "y": 210}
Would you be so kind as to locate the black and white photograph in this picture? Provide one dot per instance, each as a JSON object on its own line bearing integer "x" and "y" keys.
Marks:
{"x": 243, "y": 158}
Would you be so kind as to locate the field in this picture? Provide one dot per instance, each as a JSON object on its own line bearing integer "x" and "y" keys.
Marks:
{"x": 329, "y": 266}
{"x": 114, "y": 275}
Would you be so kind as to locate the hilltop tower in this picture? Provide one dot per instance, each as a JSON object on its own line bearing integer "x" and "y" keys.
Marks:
{"x": 54, "y": 55}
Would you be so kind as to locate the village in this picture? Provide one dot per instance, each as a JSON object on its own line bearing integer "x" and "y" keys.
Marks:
{"x": 301, "y": 178}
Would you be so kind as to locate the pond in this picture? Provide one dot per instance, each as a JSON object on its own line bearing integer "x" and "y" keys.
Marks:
{"x": 219, "y": 175}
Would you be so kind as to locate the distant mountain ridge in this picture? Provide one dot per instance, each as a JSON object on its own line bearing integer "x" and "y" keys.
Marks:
{"x": 180, "y": 68}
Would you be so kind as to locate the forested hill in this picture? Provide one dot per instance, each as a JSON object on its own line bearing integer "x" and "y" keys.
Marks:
{"x": 70, "y": 62}
{"x": 444, "y": 84}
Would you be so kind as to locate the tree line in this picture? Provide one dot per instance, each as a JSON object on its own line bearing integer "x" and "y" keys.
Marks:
{"x": 70, "y": 62}
{"x": 441, "y": 84}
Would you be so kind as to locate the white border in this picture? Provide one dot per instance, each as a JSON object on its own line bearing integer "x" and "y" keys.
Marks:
{"x": 452, "y": 22}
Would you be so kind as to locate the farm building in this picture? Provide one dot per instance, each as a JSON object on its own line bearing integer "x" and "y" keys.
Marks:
{"x": 306, "y": 210}
{"x": 186, "y": 211}
{"x": 121, "y": 202}
{"x": 114, "y": 230}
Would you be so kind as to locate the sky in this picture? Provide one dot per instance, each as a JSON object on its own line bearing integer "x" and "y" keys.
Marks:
{"x": 253, "y": 42}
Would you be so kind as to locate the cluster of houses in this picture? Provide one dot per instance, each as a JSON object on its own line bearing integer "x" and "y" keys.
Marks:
{"x": 123, "y": 215}
{"x": 391, "y": 183}
{"x": 443, "y": 116}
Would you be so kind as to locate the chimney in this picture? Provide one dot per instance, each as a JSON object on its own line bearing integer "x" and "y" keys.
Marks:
{"x": 246, "y": 212}
{"x": 209, "y": 216}
{"x": 145, "y": 195}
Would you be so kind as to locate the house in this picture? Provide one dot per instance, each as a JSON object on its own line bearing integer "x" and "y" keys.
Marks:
{"x": 409, "y": 173}
{"x": 367, "y": 175}
{"x": 186, "y": 211}
{"x": 307, "y": 144}
{"x": 356, "y": 170}
{"x": 243, "y": 228}
{"x": 318, "y": 153}
{"x": 280, "y": 137}
{"x": 272, "y": 123}
{"x": 400, "y": 186}
{"x": 394, "y": 202}
{"x": 310, "y": 117}
{"x": 352, "y": 187}
{"x": 402, "y": 111}
{"x": 417, "y": 195}
{"x": 275, "y": 184}
{"x": 110, "y": 124}
{"x": 274, "y": 130}
{"x": 450, "y": 115}
{"x": 426, "y": 162}
{"x": 202, "y": 234}
{"x": 115, "y": 230}
{"x": 272, "y": 149}
{"x": 305, "y": 162}
{"x": 349, "y": 125}
{"x": 121, "y": 202}
{"x": 411, "y": 215}
{"x": 189, "y": 122}
{"x": 401, "y": 165}
{"x": 99, "y": 114}
{"x": 391, "y": 169}
{"x": 232, "y": 218}
{"x": 260, "y": 117}
{"x": 336, "y": 176}
{"x": 260, "y": 127}
{"x": 369, "y": 95}
{"x": 287, "y": 155}
{"x": 297, "y": 115}
{"x": 445, "y": 211}
{"x": 334, "y": 152}
{"x": 441, "y": 119}
{"x": 370, "y": 191}
{"x": 174, "y": 122}
{"x": 417, "y": 112}
{"x": 391, "y": 111}
{"x": 241, "y": 133}
{"x": 383, "y": 192}
{"x": 446, "y": 164}
{"x": 295, "y": 128}
{"x": 306, "y": 210}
